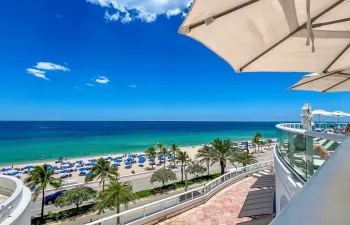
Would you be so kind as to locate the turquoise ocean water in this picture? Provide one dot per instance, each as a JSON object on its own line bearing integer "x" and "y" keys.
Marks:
{"x": 30, "y": 141}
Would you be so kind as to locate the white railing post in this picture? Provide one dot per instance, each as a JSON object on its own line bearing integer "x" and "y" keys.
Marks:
{"x": 121, "y": 220}
{"x": 192, "y": 194}
{"x": 162, "y": 206}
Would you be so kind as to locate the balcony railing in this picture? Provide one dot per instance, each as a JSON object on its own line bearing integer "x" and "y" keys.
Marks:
{"x": 179, "y": 203}
{"x": 304, "y": 150}
{"x": 324, "y": 199}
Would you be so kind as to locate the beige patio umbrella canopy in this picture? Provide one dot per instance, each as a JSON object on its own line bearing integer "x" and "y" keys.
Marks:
{"x": 331, "y": 82}
{"x": 271, "y": 35}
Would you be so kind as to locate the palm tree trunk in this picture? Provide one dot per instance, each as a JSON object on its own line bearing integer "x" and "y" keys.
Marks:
{"x": 208, "y": 167}
{"x": 186, "y": 181}
{"x": 42, "y": 205}
{"x": 103, "y": 185}
{"x": 222, "y": 167}
{"x": 118, "y": 211}
{"x": 164, "y": 163}
{"x": 182, "y": 172}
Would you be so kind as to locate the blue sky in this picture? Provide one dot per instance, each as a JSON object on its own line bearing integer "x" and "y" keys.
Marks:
{"x": 136, "y": 64}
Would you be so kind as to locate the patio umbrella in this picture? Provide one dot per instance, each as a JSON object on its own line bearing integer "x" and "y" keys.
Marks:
{"x": 79, "y": 161}
{"x": 306, "y": 117}
{"x": 262, "y": 35}
{"x": 6, "y": 169}
{"x": 141, "y": 161}
{"x": 115, "y": 164}
{"x": 338, "y": 114}
{"x": 64, "y": 163}
{"x": 83, "y": 169}
{"x": 88, "y": 164}
{"x": 128, "y": 163}
{"x": 64, "y": 171}
{"x": 320, "y": 113}
{"x": 27, "y": 167}
{"x": 130, "y": 159}
{"x": 93, "y": 160}
{"x": 70, "y": 166}
{"x": 325, "y": 82}
{"x": 141, "y": 155}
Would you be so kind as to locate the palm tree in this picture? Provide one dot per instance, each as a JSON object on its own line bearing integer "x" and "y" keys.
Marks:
{"x": 174, "y": 148}
{"x": 257, "y": 138}
{"x": 203, "y": 156}
{"x": 151, "y": 152}
{"x": 220, "y": 151}
{"x": 245, "y": 158}
{"x": 41, "y": 176}
{"x": 101, "y": 170}
{"x": 269, "y": 141}
{"x": 183, "y": 158}
{"x": 116, "y": 194}
{"x": 159, "y": 145}
{"x": 163, "y": 152}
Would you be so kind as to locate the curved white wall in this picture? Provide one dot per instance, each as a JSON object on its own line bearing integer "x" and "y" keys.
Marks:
{"x": 287, "y": 185}
{"x": 16, "y": 209}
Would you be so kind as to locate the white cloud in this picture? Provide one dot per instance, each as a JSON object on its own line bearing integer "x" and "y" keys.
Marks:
{"x": 37, "y": 73}
{"x": 102, "y": 80}
{"x": 91, "y": 85}
{"x": 78, "y": 88}
{"x": 50, "y": 66}
{"x": 145, "y": 10}
{"x": 132, "y": 86}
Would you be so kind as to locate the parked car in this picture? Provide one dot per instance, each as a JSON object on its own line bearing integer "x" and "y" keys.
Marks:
{"x": 50, "y": 199}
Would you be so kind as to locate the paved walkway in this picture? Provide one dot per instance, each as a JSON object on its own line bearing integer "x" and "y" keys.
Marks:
{"x": 221, "y": 209}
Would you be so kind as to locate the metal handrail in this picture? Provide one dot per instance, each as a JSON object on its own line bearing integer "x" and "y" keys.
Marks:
{"x": 296, "y": 128}
{"x": 243, "y": 171}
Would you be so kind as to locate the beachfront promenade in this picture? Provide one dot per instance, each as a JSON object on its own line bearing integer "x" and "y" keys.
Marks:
{"x": 144, "y": 182}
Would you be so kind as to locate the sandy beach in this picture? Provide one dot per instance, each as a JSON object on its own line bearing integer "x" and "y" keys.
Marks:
{"x": 76, "y": 178}
{"x": 191, "y": 150}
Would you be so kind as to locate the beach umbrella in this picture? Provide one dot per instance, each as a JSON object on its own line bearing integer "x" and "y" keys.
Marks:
{"x": 27, "y": 167}
{"x": 306, "y": 117}
{"x": 141, "y": 161}
{"x": 118, "y": 160}
{"x": 88, "y": 175}
{"x": 15, "y": 173}
{"x": 108, "y": 158}
{"x": 83, "y": 169}
{"x": 53, "y": 168}
{"x": 64, "y": 163}
{"x": 79, "y": 161}
{"x": 64, "y": 171}
{"x": 335, "y": 81}
{"x": 161, "y": 158}
{"x": 119, "y": 157}
{"x": 115, "y": 164}
{"x": 130, "y": 159}
{"x": 258, "y": 35}
{"x": 70, "y": 166}
{"x": 141, "y": 155}
{"x": 128, "y": 163}
{"x": 6, "y": 169}
{"x": 88, "y": 164}
{"x": 93, "y": 160}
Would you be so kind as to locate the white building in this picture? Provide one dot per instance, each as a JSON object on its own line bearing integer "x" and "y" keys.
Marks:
{"x": 15, "y": 201}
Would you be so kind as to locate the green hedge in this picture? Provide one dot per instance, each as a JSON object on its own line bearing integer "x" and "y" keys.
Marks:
{"x": 65, "y": 214}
